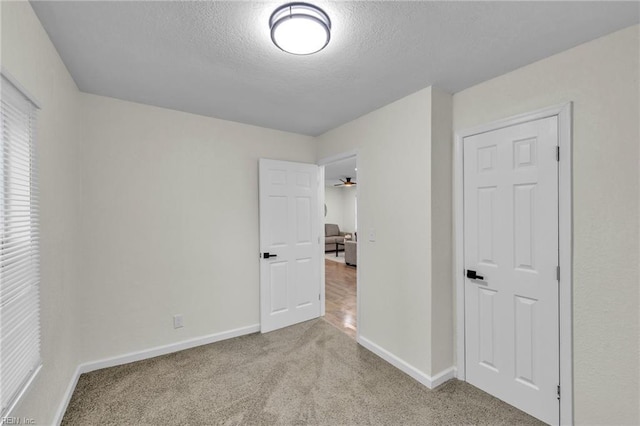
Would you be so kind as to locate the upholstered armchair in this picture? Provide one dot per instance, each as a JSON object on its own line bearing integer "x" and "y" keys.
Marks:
{"x": 351, "y": 252}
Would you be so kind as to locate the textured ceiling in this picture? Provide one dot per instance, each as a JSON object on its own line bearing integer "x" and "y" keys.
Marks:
{"x": 216, "y": 58}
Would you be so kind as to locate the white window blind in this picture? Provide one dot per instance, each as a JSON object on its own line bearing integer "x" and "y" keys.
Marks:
{"x": 19, "y": 250}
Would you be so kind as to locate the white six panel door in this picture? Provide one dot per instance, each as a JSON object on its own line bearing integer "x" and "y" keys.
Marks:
{"x": 289, "y": 231}
{"x": 511, "y": 240}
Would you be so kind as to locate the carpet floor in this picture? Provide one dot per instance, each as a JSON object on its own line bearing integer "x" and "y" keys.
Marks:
{"x": 309, "y": 373}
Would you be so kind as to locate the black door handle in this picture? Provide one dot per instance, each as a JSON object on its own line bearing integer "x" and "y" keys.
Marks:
{"x": 473, "y": 275}
{"x": 267, "y": 255}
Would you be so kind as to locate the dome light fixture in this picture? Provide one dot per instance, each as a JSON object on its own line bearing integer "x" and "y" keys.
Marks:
{"x": 300, "y": 28}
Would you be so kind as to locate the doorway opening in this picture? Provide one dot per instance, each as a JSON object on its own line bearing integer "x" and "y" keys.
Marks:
{"x": 340, "y": 224}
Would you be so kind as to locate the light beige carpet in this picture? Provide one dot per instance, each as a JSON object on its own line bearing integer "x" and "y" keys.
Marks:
{"x": 310, "y": 373}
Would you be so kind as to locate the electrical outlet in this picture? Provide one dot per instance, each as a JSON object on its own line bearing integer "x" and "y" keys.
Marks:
{"x": 178, "y": 321}
{"x": 372, "y": 235}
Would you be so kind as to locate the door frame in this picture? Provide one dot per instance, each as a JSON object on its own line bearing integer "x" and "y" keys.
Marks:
{"x": 565, "y": 239}
{"x": 323, "y": 162}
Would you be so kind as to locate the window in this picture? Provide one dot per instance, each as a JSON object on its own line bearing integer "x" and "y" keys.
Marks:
{"x": 19, "y": 251}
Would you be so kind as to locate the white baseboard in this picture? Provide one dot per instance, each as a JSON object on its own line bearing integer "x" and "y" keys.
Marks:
{"x": 166, "y": 349}
{"x": 146, "y": 354}
{"x": 443, "y": 377}
{"x": 429, "y": 381}
{"x": 66, "y": 398}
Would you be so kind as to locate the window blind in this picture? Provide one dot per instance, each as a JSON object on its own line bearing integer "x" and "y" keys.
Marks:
{"x": 19, "y": 249}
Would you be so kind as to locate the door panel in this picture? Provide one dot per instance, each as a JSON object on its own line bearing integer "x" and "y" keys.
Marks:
{"x": 277, "y": 233}
{"x": 486, "y": 228}
{"x": 524, "y": 325}
{"x": 305, "y": 295}
{"x": 487, "y": 327}
{"x": 303, "y": 217}
{"x": 289, "y": 229}
{"x": 279, "y": 285}
{"x": 511, "y": 240}
{"x": 523, "y": 204}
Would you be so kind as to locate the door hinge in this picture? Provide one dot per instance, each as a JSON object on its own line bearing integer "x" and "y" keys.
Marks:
{"x": 558, "y": 273}
{"x": 557, "y": 153}
{"x": 318, "y": 296}
{"x": 558, "y": 392}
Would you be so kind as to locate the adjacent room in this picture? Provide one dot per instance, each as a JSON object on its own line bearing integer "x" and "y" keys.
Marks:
{"x": 239, "y": 212}
{"x": 341, "y": 243}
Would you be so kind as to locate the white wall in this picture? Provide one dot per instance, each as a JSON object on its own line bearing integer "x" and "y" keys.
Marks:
{"x": 441, "y": 191}
{"x": 335, "y": 209}
{"x": 394, "y": 272}
{"x": 169, "y": 223}
{"x": 601, "y": 78}
{"x": 348, "y": 194}
{"x": 29, "y": 56}
{"x": 341, "y": 202}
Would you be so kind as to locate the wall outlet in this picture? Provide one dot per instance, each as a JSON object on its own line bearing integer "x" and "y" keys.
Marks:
{"x": 372, "y": 235}
{"x": 178, "y": 321}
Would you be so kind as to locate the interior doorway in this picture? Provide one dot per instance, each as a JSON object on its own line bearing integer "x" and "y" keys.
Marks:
{"x": 340, "y": 224}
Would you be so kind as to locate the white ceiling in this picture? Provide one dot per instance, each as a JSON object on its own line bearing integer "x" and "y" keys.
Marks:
{"x": 216, "y": 58}
{"x": 340, "y": 170}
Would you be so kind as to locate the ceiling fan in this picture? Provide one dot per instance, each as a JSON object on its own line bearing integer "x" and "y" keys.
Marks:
{"x": 346, "y": 182}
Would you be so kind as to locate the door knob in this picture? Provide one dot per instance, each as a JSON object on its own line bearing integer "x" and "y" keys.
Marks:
{"x": 471, "y": 274}
{"x": 267, "y": 255}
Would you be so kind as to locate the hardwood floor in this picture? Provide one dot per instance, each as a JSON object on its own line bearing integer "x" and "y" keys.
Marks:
{"x": 340, "y": 296}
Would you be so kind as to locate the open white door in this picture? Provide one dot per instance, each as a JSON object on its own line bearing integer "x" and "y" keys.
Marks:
{"x": 289, "y": 244}
{"x": 511, "y": 260}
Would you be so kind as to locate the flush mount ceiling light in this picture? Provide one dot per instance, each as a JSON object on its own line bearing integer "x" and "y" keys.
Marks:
{"x": 300, "y": 28}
